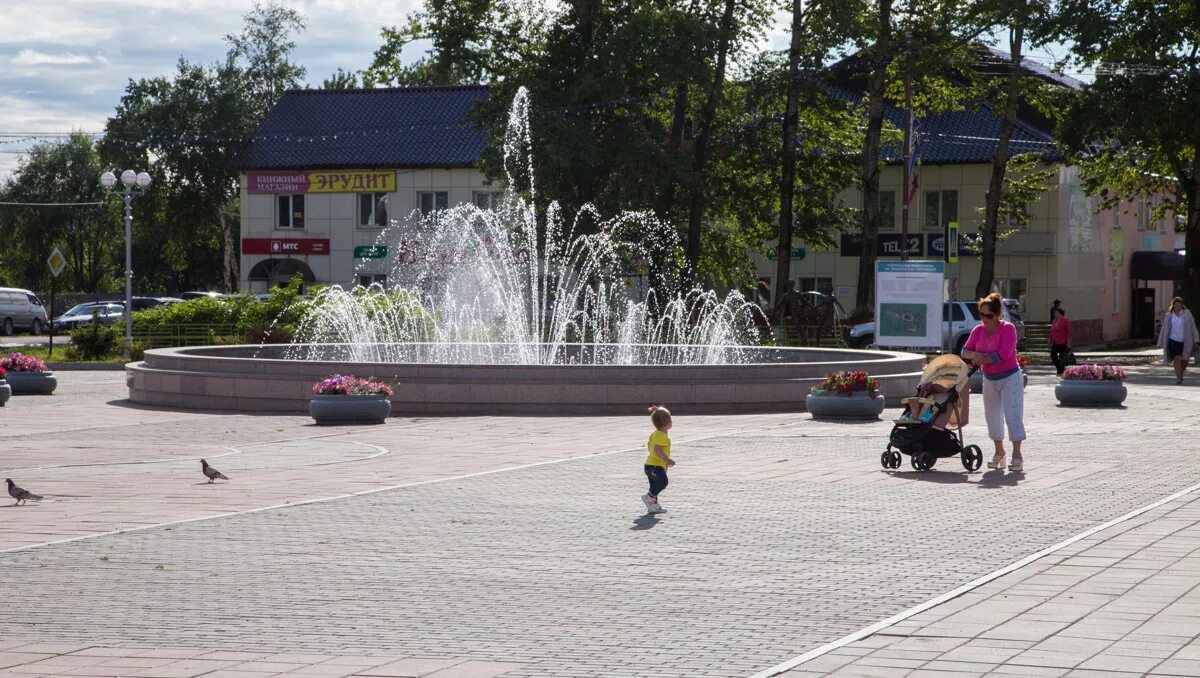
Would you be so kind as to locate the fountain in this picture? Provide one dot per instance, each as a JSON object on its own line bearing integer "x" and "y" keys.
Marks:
{"x": 514, "y": 309}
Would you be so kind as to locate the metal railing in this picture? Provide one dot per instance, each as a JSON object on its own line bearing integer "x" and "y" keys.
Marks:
{"x": 174, "y": 336}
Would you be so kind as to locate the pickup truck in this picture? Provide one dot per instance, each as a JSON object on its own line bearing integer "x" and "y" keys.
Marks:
{"x": 964, "y": 318}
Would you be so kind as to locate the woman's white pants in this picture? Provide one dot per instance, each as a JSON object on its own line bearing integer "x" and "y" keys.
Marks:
{"x": 1004, "y": 404}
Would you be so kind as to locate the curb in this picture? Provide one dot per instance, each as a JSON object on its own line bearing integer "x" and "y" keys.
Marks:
{"x": 85, "y": 367}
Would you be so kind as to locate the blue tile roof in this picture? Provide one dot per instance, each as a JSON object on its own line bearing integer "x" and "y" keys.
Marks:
{"x": 959, "y": 137}
{"x": 377, "y": 128}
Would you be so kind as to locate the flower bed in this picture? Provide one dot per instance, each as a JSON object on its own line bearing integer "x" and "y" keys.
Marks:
{"x": 5, "y": 389}
{"x": 350, "y": 385}
{"x": 343, "y": 399}
{"x": 27, "y": 375}
{"x": 1091, "y": 385}
{"x": 19, "y": 362}
{"x": 845, "y": 395}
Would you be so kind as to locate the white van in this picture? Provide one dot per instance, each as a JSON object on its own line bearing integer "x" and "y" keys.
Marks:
{"x": 21, "y": 309}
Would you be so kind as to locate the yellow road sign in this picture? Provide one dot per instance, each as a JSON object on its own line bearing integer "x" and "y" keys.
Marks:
{"x": 57, "y": 262}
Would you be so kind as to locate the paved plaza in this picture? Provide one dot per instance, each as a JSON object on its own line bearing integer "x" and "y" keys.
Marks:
{"x": 518, "y": 547}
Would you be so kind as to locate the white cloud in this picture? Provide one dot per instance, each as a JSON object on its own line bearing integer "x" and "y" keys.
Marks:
{"x": 32, "y": 57}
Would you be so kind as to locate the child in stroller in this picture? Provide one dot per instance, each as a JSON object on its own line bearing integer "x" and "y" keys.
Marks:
{"x": 930, "y": 427}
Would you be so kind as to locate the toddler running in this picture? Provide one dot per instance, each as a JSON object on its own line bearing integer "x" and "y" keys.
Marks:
{"x": 659, "y": 459}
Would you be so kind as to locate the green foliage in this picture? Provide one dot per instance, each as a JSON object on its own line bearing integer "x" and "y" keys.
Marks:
{"x": 274, "y": 320}
{"x": 1026, "y": 181}
{"x": 95, "y": 341}
{"x": 59, "y": 172}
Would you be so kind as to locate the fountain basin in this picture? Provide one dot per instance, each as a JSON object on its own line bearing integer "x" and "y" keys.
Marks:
{"x": 258, "y": 379}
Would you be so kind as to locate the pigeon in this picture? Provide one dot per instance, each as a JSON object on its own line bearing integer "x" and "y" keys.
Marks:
{"x": 20, "y": 494}
{"x": 209, "y": 472}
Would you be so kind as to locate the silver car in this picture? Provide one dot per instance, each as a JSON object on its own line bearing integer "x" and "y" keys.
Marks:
{"x": 21, "y": 310}
{"x": 83, "y": 314}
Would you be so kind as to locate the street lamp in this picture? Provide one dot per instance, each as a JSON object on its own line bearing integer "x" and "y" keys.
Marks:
{"x": 135, "y": 183}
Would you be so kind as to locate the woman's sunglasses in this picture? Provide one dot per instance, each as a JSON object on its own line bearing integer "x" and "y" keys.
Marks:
{"x": 987, "y": 316}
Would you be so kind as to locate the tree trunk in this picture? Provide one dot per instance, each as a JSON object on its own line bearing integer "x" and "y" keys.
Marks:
{"x": 787, "y": 179}
{"x": 704, "y": 141}
{"x": 876, "y": 83}
{"x": 987, "y": 260}
{"x": 1191, "y": 282}
{"x": 230, "y": 274}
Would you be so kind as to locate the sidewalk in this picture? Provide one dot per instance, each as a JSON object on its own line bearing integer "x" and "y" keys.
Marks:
{"x": 1123, "y": 602}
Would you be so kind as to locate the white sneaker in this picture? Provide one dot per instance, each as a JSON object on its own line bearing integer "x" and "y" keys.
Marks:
{"x": 1016, "y": 464}
{"x": 657, "y": 509}
{"x": 648, "y": 502}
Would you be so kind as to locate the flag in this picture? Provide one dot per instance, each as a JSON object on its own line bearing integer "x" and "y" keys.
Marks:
{"x": 914, "y": 163}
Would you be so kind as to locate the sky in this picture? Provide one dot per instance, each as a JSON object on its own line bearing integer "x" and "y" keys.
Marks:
{"x": 64, "y": 64}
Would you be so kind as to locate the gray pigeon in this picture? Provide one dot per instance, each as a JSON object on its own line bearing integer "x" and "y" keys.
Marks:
{"x": 21, "y": 494}
{"x": 209, "y": 472}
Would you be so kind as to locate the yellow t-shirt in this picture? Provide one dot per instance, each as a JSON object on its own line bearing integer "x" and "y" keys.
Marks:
{"x": 658, "y": 438}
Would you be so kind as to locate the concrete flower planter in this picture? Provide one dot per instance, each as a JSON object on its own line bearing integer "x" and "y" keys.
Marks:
{"x": 1090, "y": 392}
{"x": 857, "y": 405}
{"x": 32, "y": 383}
{"x": 5, "y": 392}
{"x": 349, "y": 409}
{"x": 976, "y": 381}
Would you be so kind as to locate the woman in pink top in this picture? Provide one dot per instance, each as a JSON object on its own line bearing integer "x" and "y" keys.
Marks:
{"x": 1060, "y": 339}
{"x": 993, "y": 346}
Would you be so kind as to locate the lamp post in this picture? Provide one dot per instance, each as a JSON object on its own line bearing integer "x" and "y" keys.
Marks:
{"x": 135, "y": 183}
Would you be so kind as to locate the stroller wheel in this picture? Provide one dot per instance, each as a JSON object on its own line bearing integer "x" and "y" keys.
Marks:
{"x": 896, "y": 459}
{"x": 885, "y": 459}
{"x": 972, "y": 458}
{"x": 923, "y": 461}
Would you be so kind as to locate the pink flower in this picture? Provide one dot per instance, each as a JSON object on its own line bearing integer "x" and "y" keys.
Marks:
{"x": 1094, "y": 373}
{"x": 350, "y": 385}
{"x": 19, "y": 362}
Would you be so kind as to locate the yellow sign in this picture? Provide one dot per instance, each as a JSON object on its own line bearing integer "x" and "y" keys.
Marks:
{"x": 353, "y": 181}
{"x": 57, "y": 262}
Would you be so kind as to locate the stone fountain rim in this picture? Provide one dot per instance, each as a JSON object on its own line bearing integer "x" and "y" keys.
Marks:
{"x": 872, "y": 356}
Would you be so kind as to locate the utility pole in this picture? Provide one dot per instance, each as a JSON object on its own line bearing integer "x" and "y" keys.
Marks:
{"x": 908, "y": 150}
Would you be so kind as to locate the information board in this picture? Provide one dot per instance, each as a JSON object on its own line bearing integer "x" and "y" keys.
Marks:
{"x": 908, "y": 304}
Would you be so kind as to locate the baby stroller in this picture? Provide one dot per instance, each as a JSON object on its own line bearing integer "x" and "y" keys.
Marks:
{"x": 931, "y": 426}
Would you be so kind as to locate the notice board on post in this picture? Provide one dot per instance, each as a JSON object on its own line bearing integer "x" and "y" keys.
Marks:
{"x": 908, "y": 304}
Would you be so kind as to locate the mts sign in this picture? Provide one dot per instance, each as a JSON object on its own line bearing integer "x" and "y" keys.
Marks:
{"x": 285, "y": 246}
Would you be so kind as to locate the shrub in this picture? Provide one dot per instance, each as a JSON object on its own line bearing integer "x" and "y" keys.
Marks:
{"x": 846, "y": 383}
{"x": 350, "y": 385}
{"x": 1094, "y": 373}
{"x": 860, "y": 315}
{"x": 95, "y": 342}
{"x": 19, "y": 362}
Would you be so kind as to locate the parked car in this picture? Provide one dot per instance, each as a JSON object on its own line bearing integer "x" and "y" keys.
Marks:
{"x": 21, "y": 310}
{"x": 964, "y": 316}
{"x": 82, "y": 314}
{"x": 140, "y": 303}
{"x": 196, "y": 295}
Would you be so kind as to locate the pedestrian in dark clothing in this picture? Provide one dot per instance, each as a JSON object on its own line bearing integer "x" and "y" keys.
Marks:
{"x": 1060, "y": 338}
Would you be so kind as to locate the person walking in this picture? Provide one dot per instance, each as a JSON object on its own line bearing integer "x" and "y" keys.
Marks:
{"x": 1178, "y": 337}
{"x": 659, "y": 458}
{"x": 993, "y": 346}
{"x": 1060, "y": 339}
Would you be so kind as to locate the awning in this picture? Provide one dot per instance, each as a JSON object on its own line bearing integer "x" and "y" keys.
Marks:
{"x": 1156, "y": 266}
{"x": 265, "y": 269}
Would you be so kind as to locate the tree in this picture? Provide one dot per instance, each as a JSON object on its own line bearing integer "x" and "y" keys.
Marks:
{"x": 191, "y": 127}
{"x": 1136, "y": 128}
{"x": 89, "y": 235}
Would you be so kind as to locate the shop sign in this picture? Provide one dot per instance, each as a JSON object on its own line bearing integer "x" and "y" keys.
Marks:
{"x": 285, "y": 246}
{"x": 322, "y": 181}
{"x": 370, "y": 251}
{"x": 798, "y": 253}
{"x": 888, "y": 245}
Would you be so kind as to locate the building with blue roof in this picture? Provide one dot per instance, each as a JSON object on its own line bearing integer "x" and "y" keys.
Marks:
{"x": 327, "y": 169}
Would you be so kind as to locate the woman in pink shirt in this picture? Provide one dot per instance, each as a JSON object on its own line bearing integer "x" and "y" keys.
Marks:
{"x": 993, "y": 346}
{"x": 1060, "y": 339}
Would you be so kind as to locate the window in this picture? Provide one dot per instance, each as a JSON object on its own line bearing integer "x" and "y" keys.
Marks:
{"x": 367, "y": 279}
{"x": 432, "y": 201}
{"x": 941, "y": 207}
{"x": 1143, "y": 214}
{"x": 33, "y": 300}
{"x": 1011, "y": 288}
{"x": 290, "y": 211}
{"x": 887, "y": 210}
{"x": 957, "y": 310}
{"x": 372, "y": 210}
{"x": 822, "y": 285}
{"x": 1116, "y": 212}
{"x": 486, "y": 200}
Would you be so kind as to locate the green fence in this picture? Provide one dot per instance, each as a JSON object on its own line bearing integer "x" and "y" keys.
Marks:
{"x": 174, "y": 336}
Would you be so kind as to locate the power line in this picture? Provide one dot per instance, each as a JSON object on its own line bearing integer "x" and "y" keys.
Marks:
{"x": 50, "y": 204}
